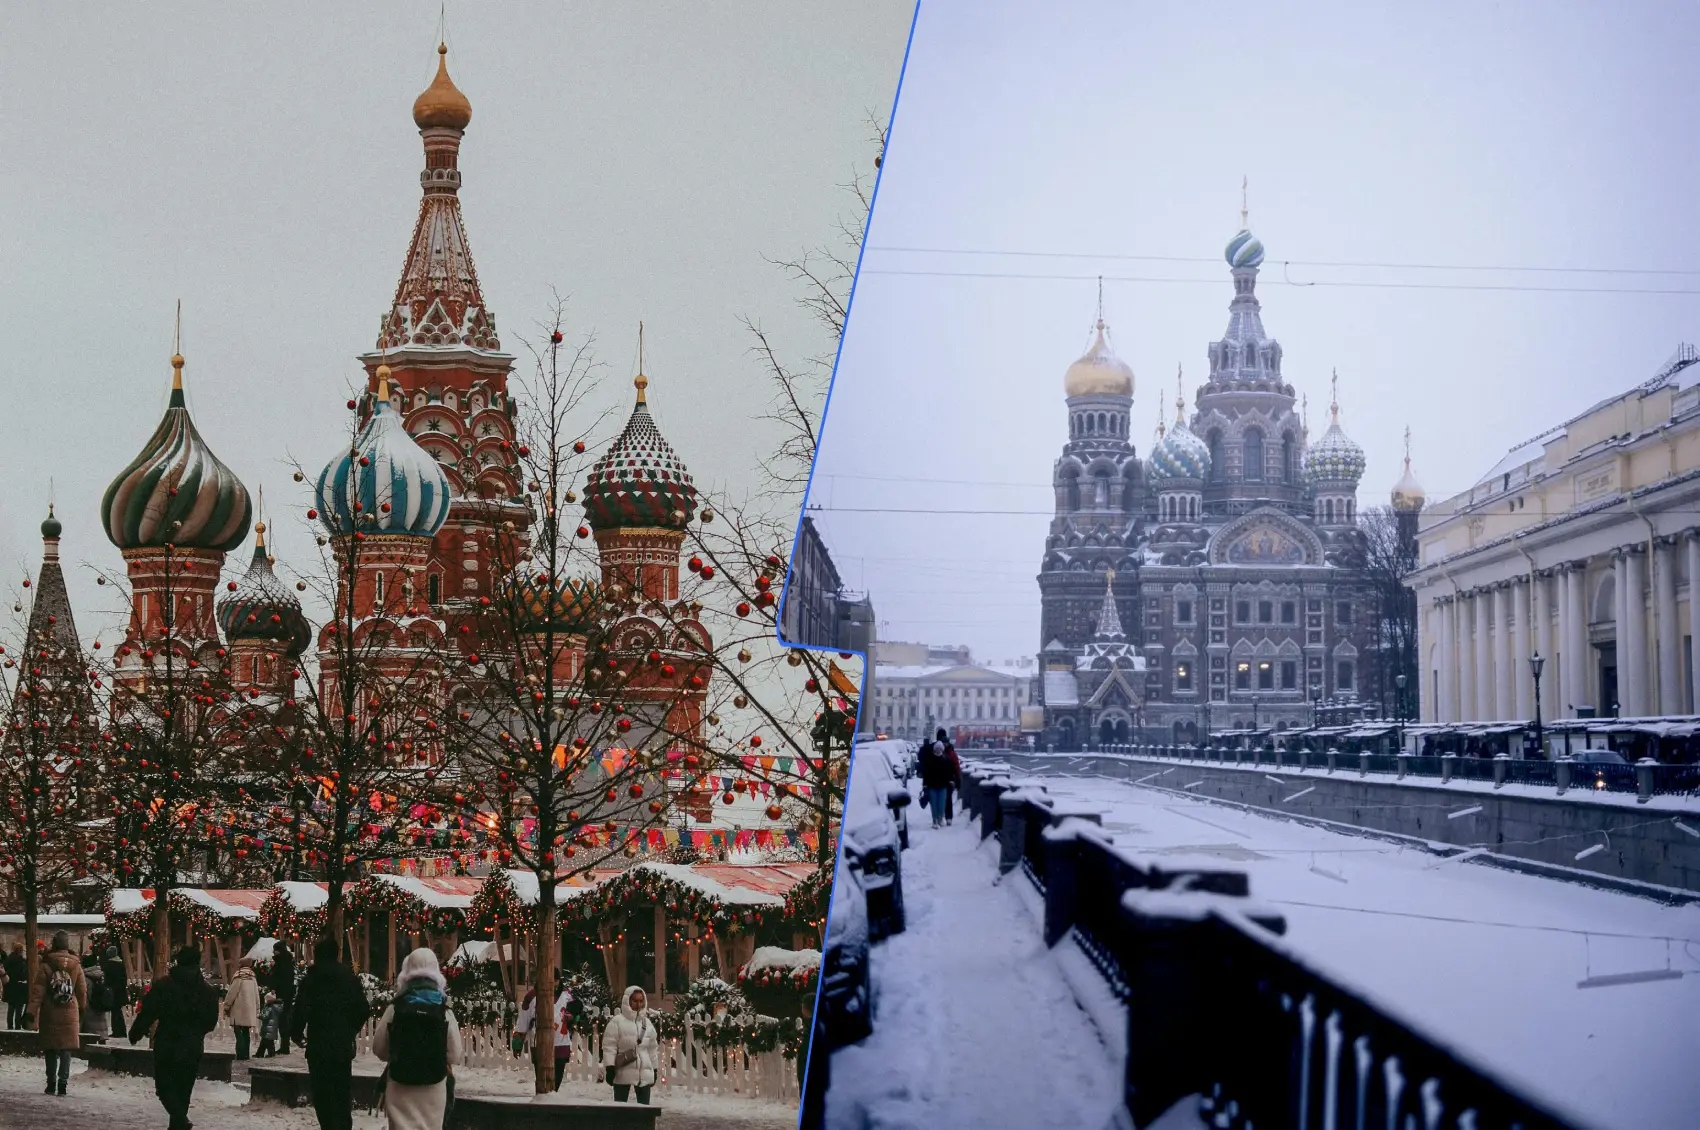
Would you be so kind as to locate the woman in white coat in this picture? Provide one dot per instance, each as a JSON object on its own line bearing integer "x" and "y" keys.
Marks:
{"x": 419, "y": 1038}
{"x": 631, "y": 1050}
{"x": 242, "y": 1006}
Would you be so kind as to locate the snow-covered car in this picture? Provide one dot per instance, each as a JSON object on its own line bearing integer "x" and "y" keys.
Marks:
{"x": 846, "y": 1002}
{"x": 876, "y": 832}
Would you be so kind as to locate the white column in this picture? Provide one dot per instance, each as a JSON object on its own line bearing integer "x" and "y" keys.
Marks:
{"x": 1445, "y": 670}
{"x": 1639, "y": 696}
{"x": 1581, "y": 645}
{"x": 1463, "y": 658}
{"x": 1522, "y": 683}
{"x": 1566, "y": 680}
{"x": 1620, "y": 632}
{"x": 1693, "y": 546}
{"x": 1667, "y": 634}
{"x": 1485, "y": 703}
{"x": 1539, "y": 594}
{"x": 1504, "y": 673}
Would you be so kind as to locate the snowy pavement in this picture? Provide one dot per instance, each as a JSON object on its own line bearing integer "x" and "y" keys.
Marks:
{"x": 1489, "y": 959}
{"x": 974, "y": 1024}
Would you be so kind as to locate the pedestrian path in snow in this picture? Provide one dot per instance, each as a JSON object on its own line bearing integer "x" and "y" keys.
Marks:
{"x": 974, "y": 1024}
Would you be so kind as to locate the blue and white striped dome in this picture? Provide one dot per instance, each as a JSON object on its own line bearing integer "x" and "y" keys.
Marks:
{"x": 1179, "y": 458}
{"x": 1244, "y": 250}
{"x": 387, "y": 485}
{"x": 1334, "y": 458}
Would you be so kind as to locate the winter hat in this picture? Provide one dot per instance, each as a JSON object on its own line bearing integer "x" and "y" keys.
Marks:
{"x": 112, "y": 953}
{"x": 421, "y": 965}
{"x": 61, "y": 941}
{"x": 626, "y": 1008}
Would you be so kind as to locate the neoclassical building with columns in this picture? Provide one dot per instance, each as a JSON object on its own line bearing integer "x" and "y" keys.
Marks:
{"x": 1580, "y": 545}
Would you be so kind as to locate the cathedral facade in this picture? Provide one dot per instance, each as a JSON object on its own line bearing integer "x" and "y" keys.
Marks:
{"x": 1218, "y": 583}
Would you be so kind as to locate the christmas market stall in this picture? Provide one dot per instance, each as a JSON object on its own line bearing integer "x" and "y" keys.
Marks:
{"x": 223, "y": 923}
{"x": 294, "y": 913}
{"x": 779, "y": 981}
{"x": 506, "y": 904}
{"x": 392, "y": 915}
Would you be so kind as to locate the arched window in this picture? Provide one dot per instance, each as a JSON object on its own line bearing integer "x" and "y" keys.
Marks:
{"x": 434, "y": 588}
{"x": 1214, "y": 439}
{"x": 1289, "y": 459}
{"x": 1253, "y": 455}
{"x": 1101, "y": 490}
{"x": 1328, "y": 511}
{"x": 1073, "y": 490}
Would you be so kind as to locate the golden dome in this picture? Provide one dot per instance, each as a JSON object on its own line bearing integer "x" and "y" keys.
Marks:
{"x": 1099, "y": 373}
{"x": 442, "y": 105}
{"x": 1408, "y": 494}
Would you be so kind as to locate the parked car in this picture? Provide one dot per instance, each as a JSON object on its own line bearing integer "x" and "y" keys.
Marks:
{"x": 846, "y": 1001}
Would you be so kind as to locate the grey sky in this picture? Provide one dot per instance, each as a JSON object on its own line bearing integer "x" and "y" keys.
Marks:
{"x": 261, "y": 163}
{"x": 1523, "y": 134}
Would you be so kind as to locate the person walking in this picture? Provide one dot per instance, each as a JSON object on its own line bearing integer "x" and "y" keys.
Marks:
{"x": 94, "y": 1017}
{"x": 935, "y": 777}
{"x": 180, "y": 1008}
{"x": 283, "y": 984}
{"x": 57, "y": 998}
{"x": 17, "y": 994}
{"x": 419, "y": 1038}
{"x": 955, "y": 780}
{"x": 565, "y": 1009}
{"x": 117, "y": 980}
{"x": 631, "y": 1048}
{"x": 242, "y": 1006}
{"x": 329, "y": 1011}
{"x": 271, "y": 1024}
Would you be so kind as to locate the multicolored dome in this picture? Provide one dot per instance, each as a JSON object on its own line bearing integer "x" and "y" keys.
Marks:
{"x": 570, "y": 605}
{"x": 1099, "y": 373}
{"x": 388, "y": 484}
{"x": 1179, "y": 457}
{"x": 1244, "y": 250}
{"x": 639, "y": 481}
{"x": 442, "y": 105}
{"x": 1334, "y": 458}
{"x": 262, "y": 608}
{"x": 176, "y": 491}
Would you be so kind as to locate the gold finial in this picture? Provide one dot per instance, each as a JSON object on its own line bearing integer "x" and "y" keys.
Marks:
{"x": 1304, "y": 412}
{"x": 641, "y": 381}
{"x": 260, "y": 526}
{"x": 1100, "y": 301}
{"x": 1180, "y": 396}
{"x": 177, "y": 348}
{"x": 1407, "y": 447}
{"x": 1334, "y": 402}
{"x": 177, "y": 372}
{"x": 1245, "y": 208}
{"x": 1159, "y": 419}
{"x": 383, "y": 383}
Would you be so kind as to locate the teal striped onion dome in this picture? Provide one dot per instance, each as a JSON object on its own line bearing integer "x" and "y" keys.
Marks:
{"x": 1244, "y": 250}
{"x": 639, "y": 481}
{"x": 262, "y": 608}
{"x": 176, "y": 492}
{"x": 1179, "y": 458}
{"x": 387, "y": 483}
{"x": 570, "y": 605}
{"x": 1334, "y": 458}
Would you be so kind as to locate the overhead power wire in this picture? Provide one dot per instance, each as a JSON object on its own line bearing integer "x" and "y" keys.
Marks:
{"x": 1331, "y": 283}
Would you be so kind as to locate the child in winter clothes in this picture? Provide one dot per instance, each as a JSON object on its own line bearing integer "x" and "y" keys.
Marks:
{"x": 271, "y": 1024}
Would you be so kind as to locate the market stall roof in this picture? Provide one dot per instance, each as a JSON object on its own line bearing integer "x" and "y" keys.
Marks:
{"x": 226, "y": 903}
{"x": 524, "y": 884}
{"x": 128, "y": 900}
{"x": 261, "y": 950}
{"x": 443, "y": 892}
{"x": 303, "y": 896}
{"x": 751, "y": 884}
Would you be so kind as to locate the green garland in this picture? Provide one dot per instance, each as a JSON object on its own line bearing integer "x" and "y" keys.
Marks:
{"x": 280, "y": 919}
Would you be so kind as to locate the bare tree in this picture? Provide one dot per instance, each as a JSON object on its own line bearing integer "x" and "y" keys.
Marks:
{"x": 1389, "y": 559}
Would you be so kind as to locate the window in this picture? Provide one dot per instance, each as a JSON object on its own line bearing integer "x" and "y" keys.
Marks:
{"x": 1265, "y": 675}
{"x": 1343, "y": 612}
{"x": 1253, "y": 456}
{"x": 1214, "y": 439}
{"x": 1343, "y": 677}
{"x": 1183, "y": 611}
{"x": 1242, "y": 612}
{"x": 378, "y": 589}
{"x": 1289, "y": 612}
{"x": 1242, "y": 676}
{"x": 1183, "y": 675}
{"x": 434, "y": 588}
{"x": 1289, "y": 459}
{"x": 1289, "y": 674}
{"x": 1265, "y": 611}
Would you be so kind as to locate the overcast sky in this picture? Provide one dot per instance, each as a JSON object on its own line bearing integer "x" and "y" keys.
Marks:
{"x": 1112, "y": 138}
{"x": 260, "y": 162}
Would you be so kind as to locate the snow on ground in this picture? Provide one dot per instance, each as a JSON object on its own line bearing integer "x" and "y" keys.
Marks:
{"x": 1486, "y": 958}
{"x": 974, "y": 1025}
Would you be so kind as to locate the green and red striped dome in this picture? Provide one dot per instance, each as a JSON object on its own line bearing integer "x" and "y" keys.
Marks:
{"x": 639, "y": 481}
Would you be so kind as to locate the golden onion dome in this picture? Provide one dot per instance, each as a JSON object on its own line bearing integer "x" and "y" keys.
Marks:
{"x": 1408, "y": 495}
{"x": 1099, "y": 373}
{"x": 442, "y": 106}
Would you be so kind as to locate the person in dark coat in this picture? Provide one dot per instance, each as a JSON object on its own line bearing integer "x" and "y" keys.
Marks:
{"x": 117, "y": 989}
{"x": 935, "y": 777}
{"x": 955, "y": 780}
{"x": 17, "y": 995}
{"x": 330, "y": 1009}
{"x": 185, "y": 1008}
{"x": 282, "y": 983}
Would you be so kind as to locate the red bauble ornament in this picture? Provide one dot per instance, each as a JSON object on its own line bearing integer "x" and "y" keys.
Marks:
{"x": 312, "y": 514}
{"x": 755, "y": 742}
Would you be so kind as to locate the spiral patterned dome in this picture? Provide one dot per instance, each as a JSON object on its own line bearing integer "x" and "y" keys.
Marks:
{"x": 262, "y": 608}
{"x": 176, "y": 491}
{"x": 1244, "y": 250}
{"x": 639, "y": 481}
{"x": 388, "y": 482}
{"x": 1099, "y": 373}
{"x": 1179, "y": 458}
{"x": 571, "y": 605}
{"x": 1334, "y": 458}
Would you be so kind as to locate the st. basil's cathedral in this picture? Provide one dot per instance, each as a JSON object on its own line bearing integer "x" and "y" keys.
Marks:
{"x": 429, "y": 483}
{"x": 1219, "y": 583}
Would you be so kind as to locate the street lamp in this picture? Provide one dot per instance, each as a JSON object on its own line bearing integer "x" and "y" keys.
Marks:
{"x": 1315, "y": 705}
{"x": 1536, "y": 662}
{"x": 1399, "y": 708}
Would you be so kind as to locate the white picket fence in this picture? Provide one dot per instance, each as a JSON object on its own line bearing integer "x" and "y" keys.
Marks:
{"x": 688, "y": 1065}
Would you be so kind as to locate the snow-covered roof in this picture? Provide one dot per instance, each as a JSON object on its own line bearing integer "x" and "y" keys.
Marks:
{"x": 762, "y": 884}
{"x": 261, "y": 950}
{"x": 226, "y": 904}
{"x": 1061, "y": 689}
{"x": 777, "y": 957}
{"x": 524, "y": 884}
{"x": 128, "y": 900}
{"x": 44, "y": 920}
{"x": 303, "y": 896}
{"x": 1526, "y": 452}
{"x": 935, "y": 670}
{"x": 445, "y": 893}
{"x": 471, "y": 953}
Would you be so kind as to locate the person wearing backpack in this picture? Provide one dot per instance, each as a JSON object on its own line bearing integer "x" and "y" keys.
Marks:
{"x": 935, "y": 777}
{"x": 57, "y": 999}
{"x": 329, "y": 1010}
{"x": 180, "y": 1008}
{"x": 419, "y": 1038}
{"x": 630, "y": 1047}
{"x": 95, "y": 1015}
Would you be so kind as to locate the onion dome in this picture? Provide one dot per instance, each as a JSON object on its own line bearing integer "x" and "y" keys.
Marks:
{"x": 1179, "y": 457}
{"x": 1408, "y": 495}
{"x": 568, "y": 606}
{"x": 1334, "y": 458}
{"x": 1100, "y": 372}
{"x": 176, "y": 491}
{"x": 442, "y": 106}
{"x": 51, "y": 527}
{"x": 639, "y": 481}
{"x": 1244, "y": 250}
{"x": 387, "y": 482}
{"x": 262, "y": 608}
